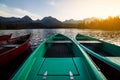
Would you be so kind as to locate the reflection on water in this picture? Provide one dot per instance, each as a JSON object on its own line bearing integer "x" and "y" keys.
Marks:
{"x": 39, "y": 35}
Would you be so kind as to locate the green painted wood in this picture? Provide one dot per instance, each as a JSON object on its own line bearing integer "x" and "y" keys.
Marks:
{"x": 103, "y": 50}
{"x": 58, "y": 68}
{"x": 35, "y": 68}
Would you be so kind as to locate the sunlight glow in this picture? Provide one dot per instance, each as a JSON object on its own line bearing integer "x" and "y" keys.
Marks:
{"x": 62, "y": 9}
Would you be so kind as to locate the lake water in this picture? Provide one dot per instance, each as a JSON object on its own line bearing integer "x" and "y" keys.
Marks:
{"x": 38, "y": 35}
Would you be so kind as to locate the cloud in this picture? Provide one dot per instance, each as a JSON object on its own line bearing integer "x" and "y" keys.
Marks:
{"x": 52, "y": 3}
{"x": 16, "y": 12}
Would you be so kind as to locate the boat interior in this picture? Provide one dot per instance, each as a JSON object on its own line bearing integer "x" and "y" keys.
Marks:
{"x": 59, "y": 58}
{"x": 102, "y": 48}
{"x": 59, "y": 49}
{"x": 12, "y": 43}
{"x": 106, "y": 50}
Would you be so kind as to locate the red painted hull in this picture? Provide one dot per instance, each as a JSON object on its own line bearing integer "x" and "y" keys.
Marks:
{"x": 5, "y": 38}
{"x": 13, "y": 53}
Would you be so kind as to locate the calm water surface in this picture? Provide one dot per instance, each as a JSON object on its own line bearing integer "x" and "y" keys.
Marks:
{"x": 38, "y": 35}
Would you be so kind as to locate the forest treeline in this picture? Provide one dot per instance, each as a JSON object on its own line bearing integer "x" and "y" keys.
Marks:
{"x": 110, "y": 23}
{"x": 20, "y": 25}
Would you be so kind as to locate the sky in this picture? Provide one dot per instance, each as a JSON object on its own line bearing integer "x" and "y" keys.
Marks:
{"x": 60, "y": 9}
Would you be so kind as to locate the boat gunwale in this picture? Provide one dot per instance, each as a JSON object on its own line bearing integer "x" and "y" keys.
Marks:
{"x": 5, "y": 37}
{"x": 9, "y": 56}
{"x": 100, "y": 57}
{"x": 17, "y": 46}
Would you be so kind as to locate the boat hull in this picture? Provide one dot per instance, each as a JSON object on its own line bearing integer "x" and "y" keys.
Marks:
{"x": 5, "y": 37}
{"x": 14, "y": 52}
{"x": 105, "y": 55}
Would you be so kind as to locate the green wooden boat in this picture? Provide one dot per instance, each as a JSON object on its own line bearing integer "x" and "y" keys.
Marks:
{"x": 106, "y": 55}
{"x": 58, "y": 58}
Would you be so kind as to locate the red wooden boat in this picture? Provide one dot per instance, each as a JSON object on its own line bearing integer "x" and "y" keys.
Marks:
{"x": 13, "y": 48}
{"x": 5, "y": 37}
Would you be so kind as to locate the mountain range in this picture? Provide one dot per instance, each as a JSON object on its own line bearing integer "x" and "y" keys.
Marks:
{"x": 14, "y": 19}
{"x": 48, "y": 21}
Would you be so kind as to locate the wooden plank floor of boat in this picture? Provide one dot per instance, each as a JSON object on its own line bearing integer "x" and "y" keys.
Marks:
{"x": 58, "y": 69}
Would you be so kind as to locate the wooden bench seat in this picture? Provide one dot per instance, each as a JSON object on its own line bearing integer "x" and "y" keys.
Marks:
{"x": 59, "y": 42}
{"x": 54, "y": 42}
{"x": 9, "y": 45}
{"x": 89, "y": 41}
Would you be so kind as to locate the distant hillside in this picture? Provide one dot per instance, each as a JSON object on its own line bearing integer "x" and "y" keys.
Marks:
{"x": 19, "y": 23}
{"x": 51, "y": 22}
{"x": 25, "y": 19}
{"x": 26, "y": 22}
{"x": 110, "y": 23}
{"x": 8, "y": 19}
{"x": 14, "y": 19}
